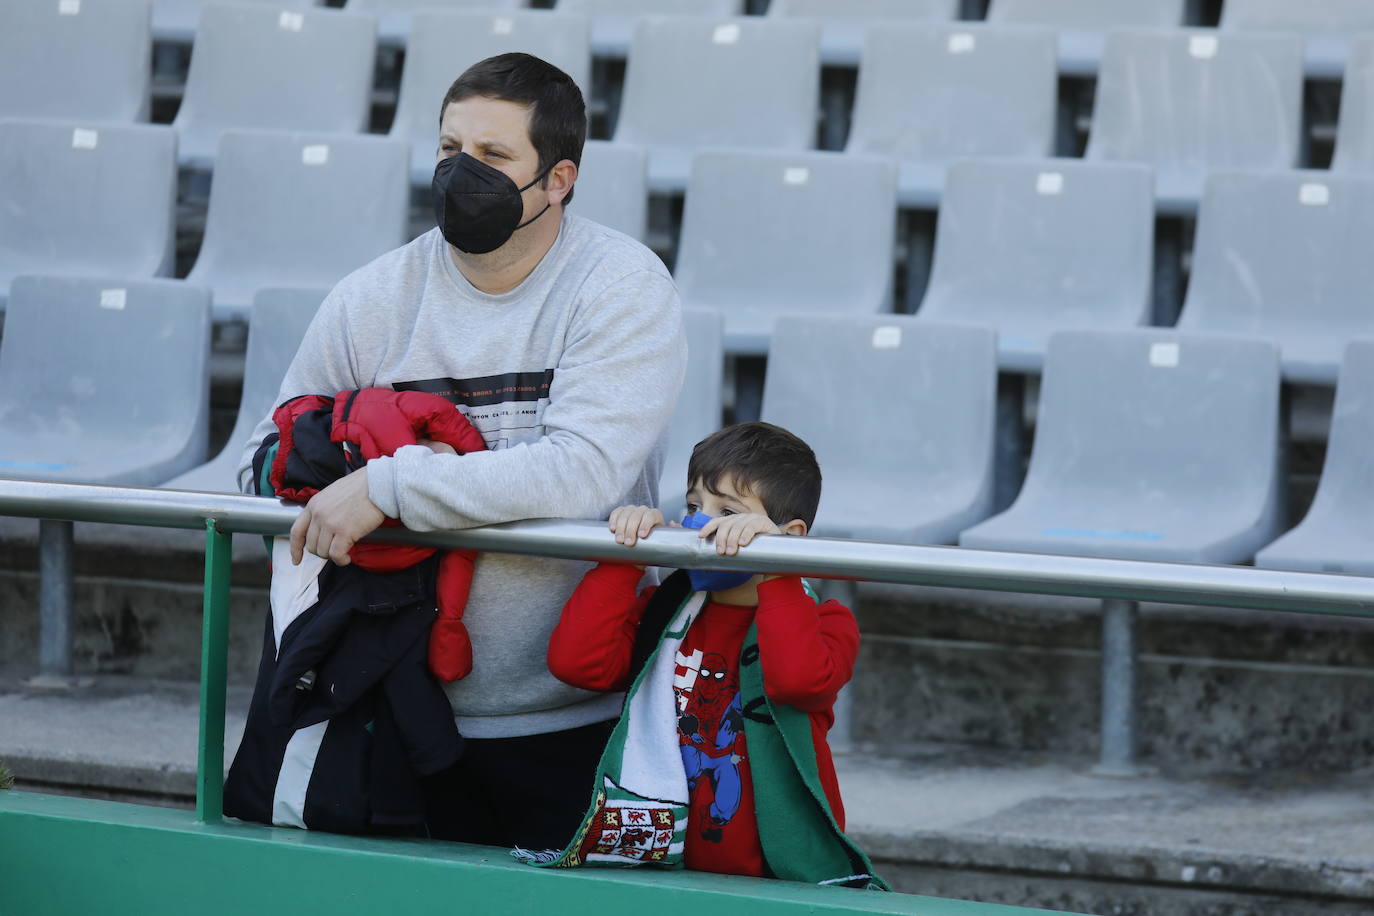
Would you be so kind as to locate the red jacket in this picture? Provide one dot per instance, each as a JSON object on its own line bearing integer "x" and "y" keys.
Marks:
{"x": 358, "y": 425}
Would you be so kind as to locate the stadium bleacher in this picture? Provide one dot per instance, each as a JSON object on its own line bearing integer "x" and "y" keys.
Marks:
{"x": 1190, "y": 101}
{"x": 396, "y": 18}
{"x": 931, "y": 94}
{"x": 1083, "y": 25}
{"x": 1281, "y": 257}
{"x": 925, "y": 215}
{"x": 614, "y": 21}
{"x": 86, "y": 200}
{"x": 63, "y": 59}
{"x": 1334, "y": 536}
{"x": 712, "y": 156}
{"x": 1326, "y": 26}
{"x": 442, "y": 36}
{"x": 1144, "y": 450}
{"x": 277, "y": 323}
{"x": 1031, "y": 247}
{"x": 900, "y": 414}
{"x": 764, "y": 234}
{"x": 257, "y": 66}
{"x": 285, "y": 211}
{"x": 843, "y": 25}
{"x": 693, "y": 83}
{"x": 80, "y": 399}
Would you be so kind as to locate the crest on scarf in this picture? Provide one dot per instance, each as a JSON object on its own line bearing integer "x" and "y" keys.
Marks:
{"x": 628, "y": 829}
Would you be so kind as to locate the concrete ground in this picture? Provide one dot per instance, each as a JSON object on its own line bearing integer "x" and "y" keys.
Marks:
{"x": 1018, "y": 828}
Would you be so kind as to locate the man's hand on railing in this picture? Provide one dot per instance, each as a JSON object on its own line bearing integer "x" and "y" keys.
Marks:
{"x": 335, "y": 519}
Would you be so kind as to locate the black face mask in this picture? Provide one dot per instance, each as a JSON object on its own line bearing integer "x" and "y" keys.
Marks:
{"x": 478, "y": 207}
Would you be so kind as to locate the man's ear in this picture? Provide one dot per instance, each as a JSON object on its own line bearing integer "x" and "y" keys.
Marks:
{"x": 796, "y": 526}
{"x": 560, "y": 180}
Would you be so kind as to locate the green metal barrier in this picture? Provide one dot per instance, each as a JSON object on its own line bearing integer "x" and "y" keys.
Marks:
{"x": 74, "y": 857}
{"x": 65, "y": 856}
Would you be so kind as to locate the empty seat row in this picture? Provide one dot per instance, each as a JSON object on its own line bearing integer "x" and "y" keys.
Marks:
{"x": 81, "y": 399}
{"x": 1324, "y": 24}
{"x": 1183, "y": 101}
{"x": 284, "y": 207}
{"x": 1150, "y": 444}
{"x": 1026, "y": 247}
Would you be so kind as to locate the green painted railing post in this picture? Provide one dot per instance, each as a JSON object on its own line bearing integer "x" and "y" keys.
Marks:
{"x": 214, "y": 653}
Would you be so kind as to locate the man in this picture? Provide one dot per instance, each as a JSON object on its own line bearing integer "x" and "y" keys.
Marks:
{"x": 561, "y": 341}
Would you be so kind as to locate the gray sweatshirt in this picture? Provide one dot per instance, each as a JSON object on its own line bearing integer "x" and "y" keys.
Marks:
{"x": 571, "y": 379}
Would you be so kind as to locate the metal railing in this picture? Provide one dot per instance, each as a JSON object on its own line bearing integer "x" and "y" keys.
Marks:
{"x": 1120, "y": 583}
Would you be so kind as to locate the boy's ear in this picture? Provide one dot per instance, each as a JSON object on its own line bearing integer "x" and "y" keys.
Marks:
{"x": 796, "y": 526}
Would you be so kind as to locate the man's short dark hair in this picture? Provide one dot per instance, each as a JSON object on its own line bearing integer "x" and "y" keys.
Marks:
{"x": 558, "y": 115}
{"x": 764, "y": 460}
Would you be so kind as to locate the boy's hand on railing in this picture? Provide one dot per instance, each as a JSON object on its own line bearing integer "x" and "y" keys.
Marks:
{"x": 735, "y": 531}
{"x": 335, "y": 519}
{"x": 630, "y": 523}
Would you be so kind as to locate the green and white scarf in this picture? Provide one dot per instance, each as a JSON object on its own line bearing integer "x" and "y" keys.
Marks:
{"x": 639, "y": 808}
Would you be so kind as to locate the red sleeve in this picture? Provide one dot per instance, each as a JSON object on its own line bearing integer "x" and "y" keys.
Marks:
{"x": 807, "y": 650}
{"x": 590, "y": 648}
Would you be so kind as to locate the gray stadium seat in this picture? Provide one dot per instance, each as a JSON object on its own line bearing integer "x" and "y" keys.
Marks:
{"x": 769, "y": 233}
{"x": 394, "y": 17}
{"x": 1031, "y": 247}
{"x": 98, "y": 201}
{"x": 1150, "y": 445}
{"x": 843, "y": 22}
{"x": 177, "y": 20}
{"x": 1083, "y": 24}
{"x": 445, "y": 43}
{"x": 1355, "y": 131}
{"x": 80, "y": 398}
{"x": 256, "y": 67}
{"x": 614, "y": 21}
{"x": 1336, "y": 535}
{"x": 928, "y": 94}
{"x": 900, "y": 415}
{"x": 1284, "y": 257}
{"x": 698, "y": 83}
{"x": 1190, "y": 101}
{"x": 279, "y": 320}
{"x": 74, "y": 59}
{"x": 612, "y": 187}
{"x": 300, "y": 210}
{"x": 1326, "y": 26}
{"x": 698, "y": 411}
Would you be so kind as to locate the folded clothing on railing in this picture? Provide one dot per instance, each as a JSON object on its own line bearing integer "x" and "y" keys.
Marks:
{"x": 320, "y": 439}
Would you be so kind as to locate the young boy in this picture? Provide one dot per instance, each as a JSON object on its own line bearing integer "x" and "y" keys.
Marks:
{"x": 720, "y": 761}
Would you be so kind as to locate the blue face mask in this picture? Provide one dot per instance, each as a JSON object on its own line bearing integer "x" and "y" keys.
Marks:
{"x": 711, "y": 580}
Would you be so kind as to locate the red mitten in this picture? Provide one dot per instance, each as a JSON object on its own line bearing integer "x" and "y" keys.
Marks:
{"x": 450, "y": 648}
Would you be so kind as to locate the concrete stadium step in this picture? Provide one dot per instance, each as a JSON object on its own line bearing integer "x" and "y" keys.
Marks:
{"x": 1222, "y": 690}
{"x": 1025, "y": 829}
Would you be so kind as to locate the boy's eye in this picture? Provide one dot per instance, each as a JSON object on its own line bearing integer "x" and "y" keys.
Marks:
{"x": 692, "y": 508}
{"x": 727, "y": 511}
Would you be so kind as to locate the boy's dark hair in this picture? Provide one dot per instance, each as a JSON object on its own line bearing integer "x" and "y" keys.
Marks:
{"x": 765, "y": 460}
{"x": 558, "y": 115}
